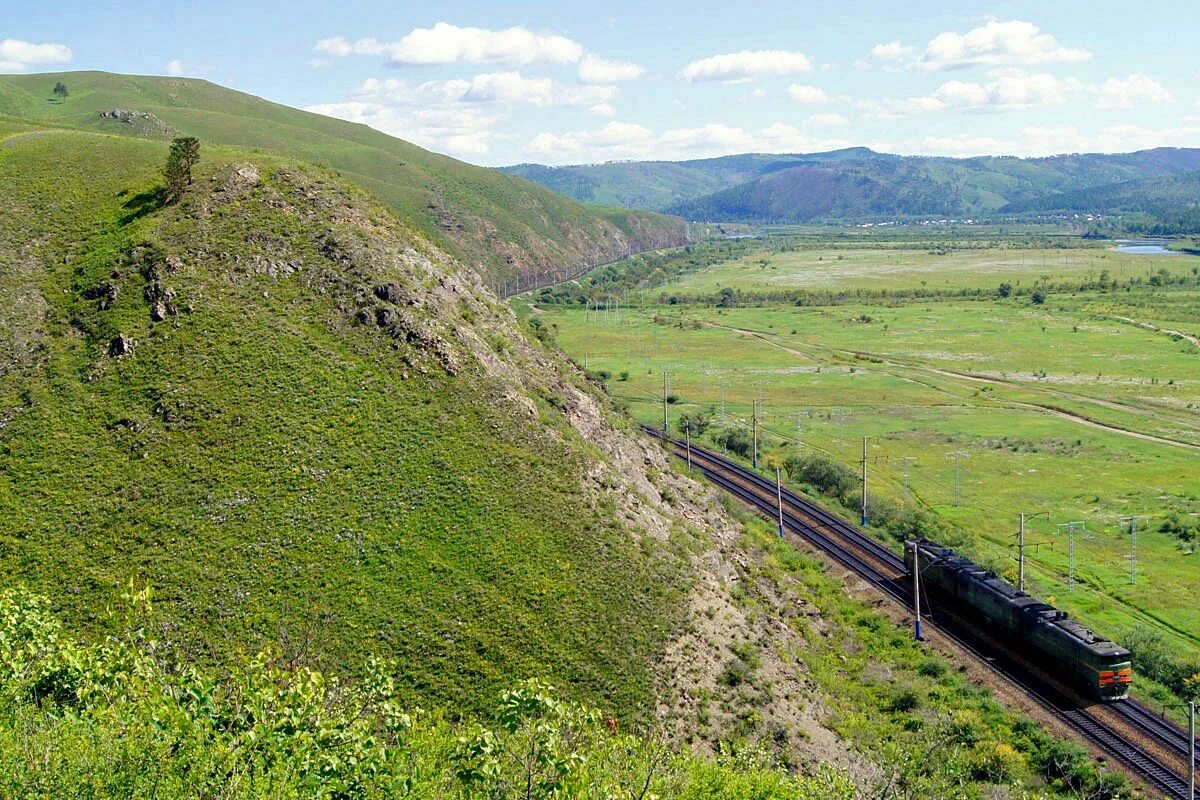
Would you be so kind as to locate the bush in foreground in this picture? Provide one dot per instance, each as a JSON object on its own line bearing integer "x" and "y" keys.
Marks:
{"x": 118, "y": 719}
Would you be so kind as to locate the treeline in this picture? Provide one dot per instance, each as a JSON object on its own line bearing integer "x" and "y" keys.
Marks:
{"x": 631, "y": 280}
{"x": 1038, "y": 292}
{"x": 623, "y": 281}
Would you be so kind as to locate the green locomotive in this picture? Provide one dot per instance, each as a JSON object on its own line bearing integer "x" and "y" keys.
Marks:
{"x": 1101, "y": 668}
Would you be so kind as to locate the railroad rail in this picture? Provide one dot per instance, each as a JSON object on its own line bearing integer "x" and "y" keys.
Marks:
{"x": 1145, "y": 743}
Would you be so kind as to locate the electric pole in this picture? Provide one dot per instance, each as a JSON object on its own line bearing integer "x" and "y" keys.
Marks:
{"x": 916, "y": 571}
{"x": 1070, "y": 526}
{"x": 779, "y": 499}
{"x": 907, "y": 460}
{"x": 1021, "y": 547}
{"x": 799, "y": 433}
{"x": 1133, "y": 521}
{"x": 957, "y": 456}
{"x": 864, "y": 483}
{"x": 687, "y": 427}
{"x": 754, "y": 434}
{"x": 666, "y": 388}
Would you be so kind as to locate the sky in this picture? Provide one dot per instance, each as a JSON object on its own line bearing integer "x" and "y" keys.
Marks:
{"x": 563, "y": 83}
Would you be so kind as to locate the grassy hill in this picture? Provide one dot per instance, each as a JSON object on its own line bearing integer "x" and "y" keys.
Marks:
{"x": 290, "y": 415}
{"x": 496, "y": 223}
{"x": 850, "y": 184}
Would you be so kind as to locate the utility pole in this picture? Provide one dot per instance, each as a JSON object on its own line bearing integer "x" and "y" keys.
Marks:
{"x": 1133, "y": 521}
{"x": 799, "y": 433}
{"x": 1070, "y": 526}
{"x": 779, "y": 499}
{"x": 666, "y": 388}
{"x": 1191, "y": 708}
{"x": 864, "y": 483}
{"x": 1192, "y": 750}
{"x": 916, "y": 571}
{"x": 687, "y": 427}
{"x": 907, "y": 460}
{"x": 957, "y": 456}
{"x": 754, "y": 434}
{"x": 1021, "y": 555}
{"x": 1021, "y": 548}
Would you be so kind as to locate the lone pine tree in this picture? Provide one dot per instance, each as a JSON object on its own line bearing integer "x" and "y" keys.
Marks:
{"x": 183, "y": 155}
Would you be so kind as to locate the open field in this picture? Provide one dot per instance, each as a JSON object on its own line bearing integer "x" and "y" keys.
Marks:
{"x": 851, "y": 267}
{"x": 1085, "y": 408}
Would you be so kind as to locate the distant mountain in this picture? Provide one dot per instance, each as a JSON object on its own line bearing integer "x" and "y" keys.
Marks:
{"x": 852, "y": 184}
{"x": 1162, "y": 205}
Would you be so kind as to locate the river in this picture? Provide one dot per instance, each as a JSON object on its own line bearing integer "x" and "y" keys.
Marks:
{"x": 1149, "y": 247}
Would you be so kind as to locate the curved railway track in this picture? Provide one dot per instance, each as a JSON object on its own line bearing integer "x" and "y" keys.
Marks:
{"x": 1145, "y": 743}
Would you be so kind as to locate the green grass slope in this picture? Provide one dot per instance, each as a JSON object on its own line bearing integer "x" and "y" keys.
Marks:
{"x": 289, "y": 414}
{"x": 497, "y": 223}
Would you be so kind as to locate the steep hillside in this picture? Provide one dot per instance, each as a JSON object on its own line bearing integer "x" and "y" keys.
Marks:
{"x": 308, "y": 428}
{"x": 498, "y": 224}
{"x": 850, "y": 184}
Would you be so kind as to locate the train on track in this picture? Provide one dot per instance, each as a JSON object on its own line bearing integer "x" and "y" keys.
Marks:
{"x": 1059, "y": 645}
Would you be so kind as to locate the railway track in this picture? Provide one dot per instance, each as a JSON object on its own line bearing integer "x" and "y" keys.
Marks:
{"x": 1146, "y": 744}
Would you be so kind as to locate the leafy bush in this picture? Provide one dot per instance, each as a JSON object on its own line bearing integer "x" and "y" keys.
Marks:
{"x": 735, "y": 439}
{"x": 828, "y": 476}
{"x": 119, "y": 719}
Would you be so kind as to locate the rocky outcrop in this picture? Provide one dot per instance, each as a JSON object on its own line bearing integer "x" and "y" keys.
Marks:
{"x": 142, "y": 120}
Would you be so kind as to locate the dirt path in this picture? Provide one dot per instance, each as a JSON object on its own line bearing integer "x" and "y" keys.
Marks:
{"x": 1195, "y": 340}
{"x": 1067, "y": 415}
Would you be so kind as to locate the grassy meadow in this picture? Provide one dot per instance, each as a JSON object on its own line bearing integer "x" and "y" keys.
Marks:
{"x": 1083, "y": 408}
{"x": 850, "y": 265}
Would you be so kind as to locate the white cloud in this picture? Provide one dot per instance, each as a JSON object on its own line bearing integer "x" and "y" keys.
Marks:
{"x": 450, "y": 44}
{"x": 828, "y": 120}
{"x": 19, "y": 56}
{"x": 1129, "y": 92}
{"x": 899, "y": 107}
{"x": 1008, "y": 90}
{"x": 512, "y": 87}
{"x": 454, "y": 129}
{"x": 747, "y": 65}
{"x": 458, "y": 116}
{"x": 1036, "y": 141}
{"x": 619, "y": 140}
{"x": 177, "y": 68}
{"x": 807, "y": 94}
{"x": 892, "y": 51}
{"x": 997, "y": 43}
{"x": 598, "y": 70}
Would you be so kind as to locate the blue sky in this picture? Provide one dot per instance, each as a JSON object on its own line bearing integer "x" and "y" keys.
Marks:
{"x": 555, "y": 82}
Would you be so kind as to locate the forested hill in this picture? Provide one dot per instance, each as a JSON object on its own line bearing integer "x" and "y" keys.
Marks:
{"x": 502, "y": 226}
{"x": 1161, "y": 206}
{"x": 852, "y": 184}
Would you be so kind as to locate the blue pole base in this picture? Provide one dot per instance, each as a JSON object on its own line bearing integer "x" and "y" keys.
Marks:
{"x": 920, "y": 637}
{"x": 780, "y": 531}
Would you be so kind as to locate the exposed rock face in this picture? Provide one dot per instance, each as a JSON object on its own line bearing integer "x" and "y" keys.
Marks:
{"x": 139, "y": 119}
{"x": 120, "y": 346}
